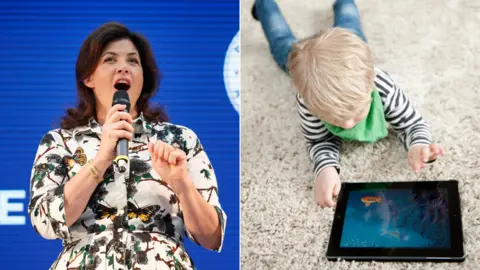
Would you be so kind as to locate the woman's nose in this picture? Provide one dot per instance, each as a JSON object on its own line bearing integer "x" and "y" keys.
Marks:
{"x": 122, "y": 70}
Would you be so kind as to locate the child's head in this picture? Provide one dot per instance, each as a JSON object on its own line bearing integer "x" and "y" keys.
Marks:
{"x": 334, "y": 74}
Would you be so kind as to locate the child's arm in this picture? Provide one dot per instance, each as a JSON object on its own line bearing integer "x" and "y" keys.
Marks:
{"x": 405, "y": 120}
{"x": 322, "y": 145}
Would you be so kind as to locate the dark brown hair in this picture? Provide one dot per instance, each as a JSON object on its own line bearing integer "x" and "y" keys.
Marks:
{"x": 87, "y": 62}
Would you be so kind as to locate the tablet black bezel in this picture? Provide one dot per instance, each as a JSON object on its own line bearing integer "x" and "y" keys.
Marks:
{"x": 455, "y": 252}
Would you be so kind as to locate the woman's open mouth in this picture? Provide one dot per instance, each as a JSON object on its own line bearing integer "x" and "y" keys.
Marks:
{"x": 122, "y": 84}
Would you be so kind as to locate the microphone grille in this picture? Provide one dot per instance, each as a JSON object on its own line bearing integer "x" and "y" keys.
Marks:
{"x": 121, "y": 97}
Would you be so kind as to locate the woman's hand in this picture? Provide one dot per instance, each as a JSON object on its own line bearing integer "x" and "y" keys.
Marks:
{"x": 170, "y": 163}
{"x": 117, "y": 125}
{"x": 200, "y": 217}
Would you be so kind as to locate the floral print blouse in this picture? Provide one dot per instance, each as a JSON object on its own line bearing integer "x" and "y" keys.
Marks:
{"x": 130, "y": 222}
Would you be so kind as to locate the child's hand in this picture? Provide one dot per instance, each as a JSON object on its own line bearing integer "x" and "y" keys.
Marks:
{"x": 327, "y": 185}
{"x": 419, "y": 155}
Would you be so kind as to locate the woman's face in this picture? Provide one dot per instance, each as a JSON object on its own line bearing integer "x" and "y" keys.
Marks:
{"x": 120, "y": 61}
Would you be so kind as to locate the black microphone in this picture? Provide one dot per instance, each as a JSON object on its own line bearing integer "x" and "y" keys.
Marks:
{"x": 121, "y": 97}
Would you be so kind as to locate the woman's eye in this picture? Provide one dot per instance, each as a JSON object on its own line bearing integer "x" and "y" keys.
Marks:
{"x": 133, "y": 60}
{"x": 108, "y": 59}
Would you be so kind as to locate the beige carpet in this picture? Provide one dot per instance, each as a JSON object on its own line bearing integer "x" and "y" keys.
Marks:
{"x": 432, "y": 49}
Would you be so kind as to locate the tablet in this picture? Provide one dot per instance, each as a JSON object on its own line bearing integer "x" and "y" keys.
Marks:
{"x": 397, "y": 221}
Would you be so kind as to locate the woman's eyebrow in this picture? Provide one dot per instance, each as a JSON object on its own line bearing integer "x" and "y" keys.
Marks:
{"x": 116, "y": 54}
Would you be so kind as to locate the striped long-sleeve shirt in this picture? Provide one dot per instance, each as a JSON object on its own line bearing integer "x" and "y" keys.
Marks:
{"x": 324, "y": 147}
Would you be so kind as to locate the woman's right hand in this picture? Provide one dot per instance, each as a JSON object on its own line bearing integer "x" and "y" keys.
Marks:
{"x": 118, "y": 125}
{"x": 327, "y": 185}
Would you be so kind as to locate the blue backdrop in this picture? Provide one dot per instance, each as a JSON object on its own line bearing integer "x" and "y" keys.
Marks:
{"x": 38, "y": 49}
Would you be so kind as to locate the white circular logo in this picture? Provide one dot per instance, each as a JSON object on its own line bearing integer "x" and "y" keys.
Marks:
{"x": 231, "y": 72}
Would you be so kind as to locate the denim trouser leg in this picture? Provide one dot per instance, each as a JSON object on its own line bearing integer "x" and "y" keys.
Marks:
{"x": 280, "y": 37}
{"x": 346, "y": 16}
{"x": 277, "y": 31}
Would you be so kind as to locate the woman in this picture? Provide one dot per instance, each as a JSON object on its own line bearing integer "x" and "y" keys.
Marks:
{"x": 108, "y": 220}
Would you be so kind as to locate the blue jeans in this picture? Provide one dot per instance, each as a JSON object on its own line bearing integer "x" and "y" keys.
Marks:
{"x": 280, "y": 37}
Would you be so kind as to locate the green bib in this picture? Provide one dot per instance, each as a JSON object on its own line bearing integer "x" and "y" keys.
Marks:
{"x": 371, "y": 129}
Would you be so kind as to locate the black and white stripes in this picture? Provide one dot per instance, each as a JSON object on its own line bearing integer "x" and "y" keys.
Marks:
{"x": 324, "y": 147}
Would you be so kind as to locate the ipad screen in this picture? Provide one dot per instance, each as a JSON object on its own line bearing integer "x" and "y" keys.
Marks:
{"x": 398, "y": 218}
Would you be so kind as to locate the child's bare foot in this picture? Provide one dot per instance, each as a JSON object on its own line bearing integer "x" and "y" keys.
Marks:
{"x": 254, "y": 12}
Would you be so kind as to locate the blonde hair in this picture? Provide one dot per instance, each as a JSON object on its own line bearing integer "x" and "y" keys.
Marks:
{"x": 333, "y": 73}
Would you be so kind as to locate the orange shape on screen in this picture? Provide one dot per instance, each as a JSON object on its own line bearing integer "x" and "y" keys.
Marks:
{"x": 367, "y": 200}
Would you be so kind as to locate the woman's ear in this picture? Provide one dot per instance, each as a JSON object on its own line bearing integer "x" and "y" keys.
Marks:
{"x": 88, "y": 82}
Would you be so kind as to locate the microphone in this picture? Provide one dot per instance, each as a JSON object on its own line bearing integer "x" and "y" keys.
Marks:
{"x": 121, "y": 97}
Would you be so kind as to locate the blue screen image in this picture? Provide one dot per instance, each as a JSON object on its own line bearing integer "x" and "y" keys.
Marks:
{"x": 400, "y": 218}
